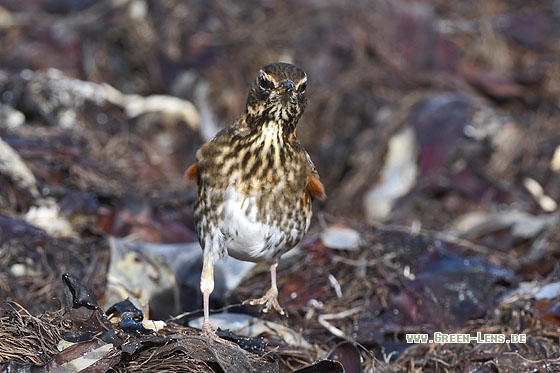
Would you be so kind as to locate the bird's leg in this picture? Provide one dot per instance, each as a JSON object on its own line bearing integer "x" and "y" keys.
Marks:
{"x": 207, "y": 286}
{"x": 270, "y": 299}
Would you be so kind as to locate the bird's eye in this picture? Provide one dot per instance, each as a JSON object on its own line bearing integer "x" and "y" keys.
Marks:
{"x": 264, "y": 83}
{"x": 302, "y": 87}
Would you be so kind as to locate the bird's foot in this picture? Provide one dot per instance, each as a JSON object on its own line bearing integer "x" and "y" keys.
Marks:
{"x": 209, "y": 332}
{"x": 269, "y": 300}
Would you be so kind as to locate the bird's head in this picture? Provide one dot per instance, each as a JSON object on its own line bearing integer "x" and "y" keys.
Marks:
{"x": 278, "y": 94}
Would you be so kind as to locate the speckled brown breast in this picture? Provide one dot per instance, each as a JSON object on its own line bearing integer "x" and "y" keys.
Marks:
{"x": 267, "y": 177}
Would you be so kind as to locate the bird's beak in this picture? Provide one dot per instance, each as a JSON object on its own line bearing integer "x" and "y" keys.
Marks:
{"x": 286, "y": 86}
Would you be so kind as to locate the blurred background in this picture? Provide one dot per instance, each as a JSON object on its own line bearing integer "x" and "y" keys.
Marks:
{"x": 436, "y": 116}
{"x": 418, "y": 112}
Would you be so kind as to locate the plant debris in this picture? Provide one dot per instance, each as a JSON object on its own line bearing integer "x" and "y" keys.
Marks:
{"x": 434, "y": 126}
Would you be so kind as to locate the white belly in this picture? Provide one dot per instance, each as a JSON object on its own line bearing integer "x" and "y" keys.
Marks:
{"x": 247, "y": 238}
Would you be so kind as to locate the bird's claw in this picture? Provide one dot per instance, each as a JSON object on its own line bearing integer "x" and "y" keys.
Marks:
{"x": 209, "y": 332}
{"x": 269, "y": 300}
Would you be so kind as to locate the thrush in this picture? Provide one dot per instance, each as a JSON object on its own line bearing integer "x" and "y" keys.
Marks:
{"x": 256, "y": 183}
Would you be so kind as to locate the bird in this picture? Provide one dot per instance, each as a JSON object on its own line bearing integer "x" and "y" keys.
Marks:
{"x": 256, "y": 183}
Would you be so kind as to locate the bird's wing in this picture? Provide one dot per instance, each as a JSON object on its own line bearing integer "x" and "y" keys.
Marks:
{"x": 192, "y": 172}
{"x": 314, "y": 185}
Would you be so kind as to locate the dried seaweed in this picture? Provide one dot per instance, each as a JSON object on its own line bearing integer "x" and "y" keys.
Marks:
{"x": 29, "y": 339}
{"x": 475, "y": 86}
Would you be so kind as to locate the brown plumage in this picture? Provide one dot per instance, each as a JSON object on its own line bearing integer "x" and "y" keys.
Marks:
{"x": 256, "y": 182}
